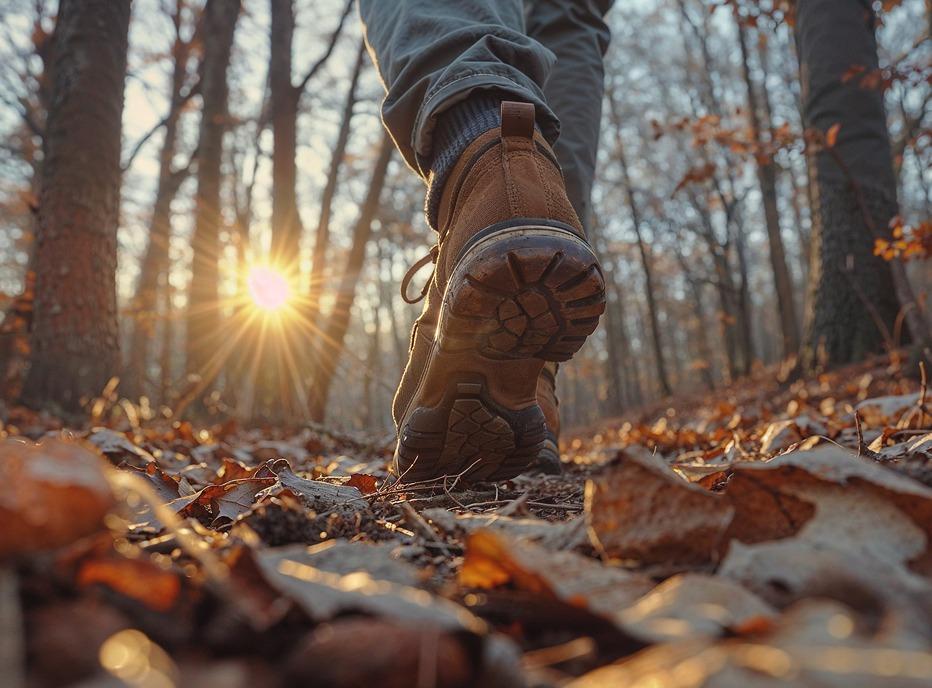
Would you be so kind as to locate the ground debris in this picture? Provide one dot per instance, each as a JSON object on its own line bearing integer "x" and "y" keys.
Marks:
{"x": 766, "y": 536}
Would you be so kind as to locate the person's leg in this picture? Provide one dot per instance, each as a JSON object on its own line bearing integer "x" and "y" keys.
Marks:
{"x": 576, "y": 33}
{"x": 515, "y": 283}
{"x": 433, "y": 54}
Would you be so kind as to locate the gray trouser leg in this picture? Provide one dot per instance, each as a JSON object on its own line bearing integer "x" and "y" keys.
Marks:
{"x": 431, "y": 54}
{"x": 574, "y": 30}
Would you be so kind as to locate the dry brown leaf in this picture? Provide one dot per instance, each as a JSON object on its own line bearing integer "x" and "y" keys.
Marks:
{"x": 493, "y": 560}
{"x": 51, "y": 494}
{"x": 363, "y": 482}
{"x": 323, "y": 594}
{"x": 138, "y": 579}
{"x": 817, "y": 643}
{"x": 640, "y": 509}
{"x": 692, "y": 605}
{"x": 776, "y": 498}
{"x": 555, "y": 536}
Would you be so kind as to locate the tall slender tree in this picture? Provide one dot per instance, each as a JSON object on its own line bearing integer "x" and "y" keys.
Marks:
{"x": 334, "y": 332}
{"x": 153, "y": 272}
{"x": 203, "y": 316}
{"x": 643, "y": 251}
{"x": 284, "y": 99}
{"x": 74, "y": 343}
{"x": 322, "y": 235}
{"x": 767, "y": 181}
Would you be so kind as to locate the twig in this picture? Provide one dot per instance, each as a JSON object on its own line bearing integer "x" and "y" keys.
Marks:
{"x": 421, "y": 527}
{"x": 539, "y": 505}
{"x": 515, "y": 504}
{"x": 923, "y": 388}
{"x": 857, "y": 427}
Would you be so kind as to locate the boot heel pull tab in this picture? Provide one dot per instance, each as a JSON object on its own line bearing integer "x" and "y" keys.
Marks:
{"x": 517, "y": 120}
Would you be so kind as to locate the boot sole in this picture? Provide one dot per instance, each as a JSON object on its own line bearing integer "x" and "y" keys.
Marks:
{"x": 520, "y": 295}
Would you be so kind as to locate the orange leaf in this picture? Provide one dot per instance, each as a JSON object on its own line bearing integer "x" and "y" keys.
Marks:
{"x": 135, "y": 578}
{"x": 831, "y": 136}
{"x": 363, "y": 482}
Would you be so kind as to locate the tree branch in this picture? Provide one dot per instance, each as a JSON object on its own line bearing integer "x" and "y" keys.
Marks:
{"x": 299, "y": 89}
{"x": 194, "y": 90}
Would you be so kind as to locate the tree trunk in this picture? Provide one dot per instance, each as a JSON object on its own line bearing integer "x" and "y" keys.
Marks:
{"x": 656, "y": 338}
{"x": 746, "y": 339}
{"x": 767, "y": 180}
{"x": 322, "y": 235}
{"x": 286, "y": 223}
{"x": 74, "y": 342}
{"x": 853, "y": 298}
{"x": 339, "y": 319}
{"x": 155, "y": 260}
{"x": 616, "y": 341}
{"x": 203, "y": 316}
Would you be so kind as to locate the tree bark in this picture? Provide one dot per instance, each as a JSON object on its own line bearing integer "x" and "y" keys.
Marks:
{"x": 853, "y": 302}
{"x": 767, "y": 180}
{"x": 203, "y": 316}
{"x": 286, "y": 223}
{"x": 74, "y": 342}
{"x": 338, "y": 322}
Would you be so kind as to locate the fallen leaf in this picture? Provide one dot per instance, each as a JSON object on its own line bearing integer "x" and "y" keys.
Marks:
{"x": 638, "y": 508}
{"x": 816, "y": 643}
{"x": 51, "y": 494}
{"x": 116, "y": 447}
{"x": 881, "y": 411}
{"x": 692, "y": 605}
{"x": 317, "y": 494}
{"x": 493, "y": 560}
{"x": 324, "y": 594}
{"x": 363, "y": 482}
{"x": 136, "y": 578}
{"x": 555, "y": 536}
{"x": 230, "y": 500}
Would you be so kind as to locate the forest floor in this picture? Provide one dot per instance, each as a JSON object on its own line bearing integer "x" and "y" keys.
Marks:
{"x": 760, "y": 535}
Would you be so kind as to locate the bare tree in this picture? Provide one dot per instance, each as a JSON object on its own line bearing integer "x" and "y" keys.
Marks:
{"x": 767, "y": 180}
{"x": 203, "y": 316}
{"x": 322, "y": 235}
{"x": 283, "y": 106}
{"x": 153, "y": 271}
{"x": 338, "y": 322}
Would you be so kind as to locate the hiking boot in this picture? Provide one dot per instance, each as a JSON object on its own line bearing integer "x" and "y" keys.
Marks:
{"x": 515, "y": 284}
{"x": 548, "y": 458}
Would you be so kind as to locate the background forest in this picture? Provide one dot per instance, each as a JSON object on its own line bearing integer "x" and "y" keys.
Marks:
{"x": 263, "y": 221}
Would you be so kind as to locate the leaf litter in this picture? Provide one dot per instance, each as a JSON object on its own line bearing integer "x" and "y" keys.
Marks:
{"x": 764, "y": 536}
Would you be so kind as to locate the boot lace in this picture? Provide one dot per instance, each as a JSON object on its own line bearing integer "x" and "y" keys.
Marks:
{"x": 431, "y": 257}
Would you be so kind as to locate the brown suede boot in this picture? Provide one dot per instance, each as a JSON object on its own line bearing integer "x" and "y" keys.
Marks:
{"x": 548, "y": 458}
{"x": 515, "y": 284}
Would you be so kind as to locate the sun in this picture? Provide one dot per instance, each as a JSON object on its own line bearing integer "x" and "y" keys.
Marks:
{"x": 268, "y": 288}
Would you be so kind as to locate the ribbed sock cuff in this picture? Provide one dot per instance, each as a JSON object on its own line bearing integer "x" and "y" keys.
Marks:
{"x": 456, "y": 129}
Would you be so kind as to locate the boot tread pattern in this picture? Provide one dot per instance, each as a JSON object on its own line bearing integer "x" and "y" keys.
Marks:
{"x": 530, "y": 303}
{"x": 479, "y": 440}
